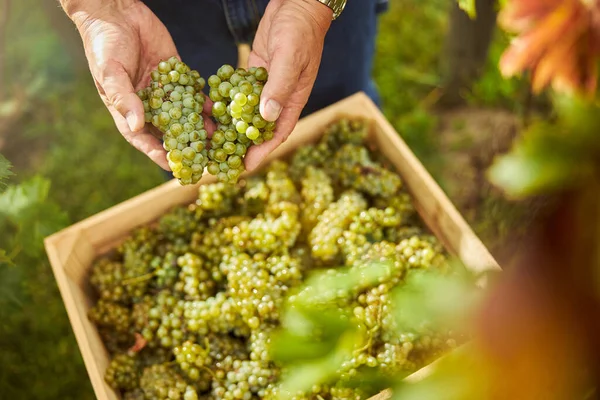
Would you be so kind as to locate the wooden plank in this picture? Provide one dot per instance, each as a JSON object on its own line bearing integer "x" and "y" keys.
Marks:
{"x": 77, "y": 303}
{"x": 71, "y": 251}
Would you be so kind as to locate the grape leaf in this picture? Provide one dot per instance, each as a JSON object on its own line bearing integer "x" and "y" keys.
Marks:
{"x": 468, "y": 6}
{"x": 5, "y": 171}
{"x": 545, "y": 159}
{"x": 26, "y": 207}
{"x": 302, "y": 377}
{"x": 297, "y": 342}
{"x": 323, "y": 288}
{"x": 442, "y": 300}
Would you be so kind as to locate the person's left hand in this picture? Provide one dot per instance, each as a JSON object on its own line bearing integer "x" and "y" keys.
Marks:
{"x": 289, "y": 44}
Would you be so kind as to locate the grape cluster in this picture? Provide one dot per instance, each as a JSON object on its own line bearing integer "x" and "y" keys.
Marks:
{"x": 352, "y": 166}
{"x": 236, "y": 96}
{"x": 326, "y": 235}
{"x": 317, "y": 195}
{"x": 123, "y": 372}
{"x": 173, "y": 103}
{"x": 161, "y": 382}
{"x": 186, "y": 306}
{"x": 195, "y": 361}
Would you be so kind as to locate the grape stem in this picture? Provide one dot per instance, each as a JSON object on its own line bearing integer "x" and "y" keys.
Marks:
{"x": 139, "y": 279}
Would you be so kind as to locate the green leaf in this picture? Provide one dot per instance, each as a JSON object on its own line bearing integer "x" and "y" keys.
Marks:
{"x": 546, "y": 158}
{"x": 302, "y": 377}
{"x": 297, "y": 340}
{"x": 18, "y": 199}
{"x": 5, "y": 171}
{"x": 26, "y": 207}
{"x": 468, "y": 6}
{"x": 444, "y": 301}
{"x": 326, "y": 288}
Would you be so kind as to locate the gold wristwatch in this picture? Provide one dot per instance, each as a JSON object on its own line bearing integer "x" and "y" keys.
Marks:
{"x": 336, "y": 5}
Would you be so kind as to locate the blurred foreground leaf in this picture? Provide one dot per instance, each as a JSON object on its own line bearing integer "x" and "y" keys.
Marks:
{"x": 456, "y": 376}
{"x": 327, "y": 287}
{"x": 442, "y": 300}
{"x": 308, "y": 334}
{"x": 302, "y": 377}
{"x": 552, "y": 156}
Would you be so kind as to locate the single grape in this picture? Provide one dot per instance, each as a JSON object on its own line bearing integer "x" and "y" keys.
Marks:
{"x": 261, "y": 74}
{"x": 175, "y": 156}
{"x": 189, "y": 153}
{"x": 164, "y": 67}
{"x": 219, "y": 108}
{"x": 241, "y": 127}
{"x": 252, "y": 132}
{"x": 174, "y": 76}
{"x": 214, "y": 95}
{"x": 224, "y": 88}
{"x": 214, "y": 81}
{"x": 229, "y": 147}
{"x": 198, "y": 146}
{"x": 225, "y": 72}
{"x": 246, "y": 88}
{"x": 241, "y": 99}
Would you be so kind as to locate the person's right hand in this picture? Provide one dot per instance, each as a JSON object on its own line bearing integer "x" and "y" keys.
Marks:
{"x": 124, "y": 41}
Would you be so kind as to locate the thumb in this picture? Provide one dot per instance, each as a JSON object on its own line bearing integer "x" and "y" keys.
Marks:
{"x": 120, "y": 94}
{"x": 284, "y": 73}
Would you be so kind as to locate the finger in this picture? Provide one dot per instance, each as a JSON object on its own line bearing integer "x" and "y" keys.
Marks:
{"x": 143, "y": 140}
{"x": 285, "y": 125}
{"x": 254, "y": 60}
{"x": 208, "y": 104}
{"x": 118, "y": 89}
{"x": 284, "y": 73}
{"x": 149, "y": 145}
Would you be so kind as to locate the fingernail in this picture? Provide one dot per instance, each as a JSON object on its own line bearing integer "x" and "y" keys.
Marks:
{"x": 132, "y": 121}
{"x": 271, "y": 110}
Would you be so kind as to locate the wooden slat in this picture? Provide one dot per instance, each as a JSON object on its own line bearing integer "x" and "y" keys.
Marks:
{"x": 71, "y": 251}
{"x": 77, "y": 303}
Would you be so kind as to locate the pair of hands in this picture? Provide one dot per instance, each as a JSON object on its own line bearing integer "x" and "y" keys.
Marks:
{"x": 124, "y": 41}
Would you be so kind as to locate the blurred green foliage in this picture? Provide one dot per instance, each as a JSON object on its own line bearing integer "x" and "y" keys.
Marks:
{"x": 552, "y": 155}
{"x": 492, "y": 89}
{"x": 70, "y": 162}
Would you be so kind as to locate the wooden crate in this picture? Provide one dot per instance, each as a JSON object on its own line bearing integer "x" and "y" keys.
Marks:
{"x": 72, "y": 250}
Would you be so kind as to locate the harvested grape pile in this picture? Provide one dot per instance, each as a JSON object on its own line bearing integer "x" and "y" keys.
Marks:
{"x": 174, "y": 103}
{"x": 185, "y": 307}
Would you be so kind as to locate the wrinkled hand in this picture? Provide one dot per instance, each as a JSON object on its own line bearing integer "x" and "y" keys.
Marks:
{"x": 124, "y": 41}
{"x": 289, "y": 44}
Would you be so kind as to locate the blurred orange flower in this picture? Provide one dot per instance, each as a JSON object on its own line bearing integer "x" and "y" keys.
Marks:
{"x": 559, "y": 42}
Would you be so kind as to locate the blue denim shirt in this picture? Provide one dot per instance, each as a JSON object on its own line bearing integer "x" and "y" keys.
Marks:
{"x": 243, "y": 16}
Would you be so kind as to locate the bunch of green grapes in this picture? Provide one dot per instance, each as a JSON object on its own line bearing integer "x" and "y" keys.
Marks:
{"x": 325, "y": 238}
{"x": 162, "y": 382}
{"x": 173, "y": 103}
{"x": 236, "y": 96}
{"x": 195, "y": 361}
{"x": 123, "y": 372}
{"x": 353, "y": 167}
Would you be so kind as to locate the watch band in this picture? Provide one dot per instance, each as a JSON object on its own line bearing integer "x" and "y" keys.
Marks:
{"x": 337, "y": 6}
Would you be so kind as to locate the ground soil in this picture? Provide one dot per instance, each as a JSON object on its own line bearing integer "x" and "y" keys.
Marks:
{"x": 470, "y": 138}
